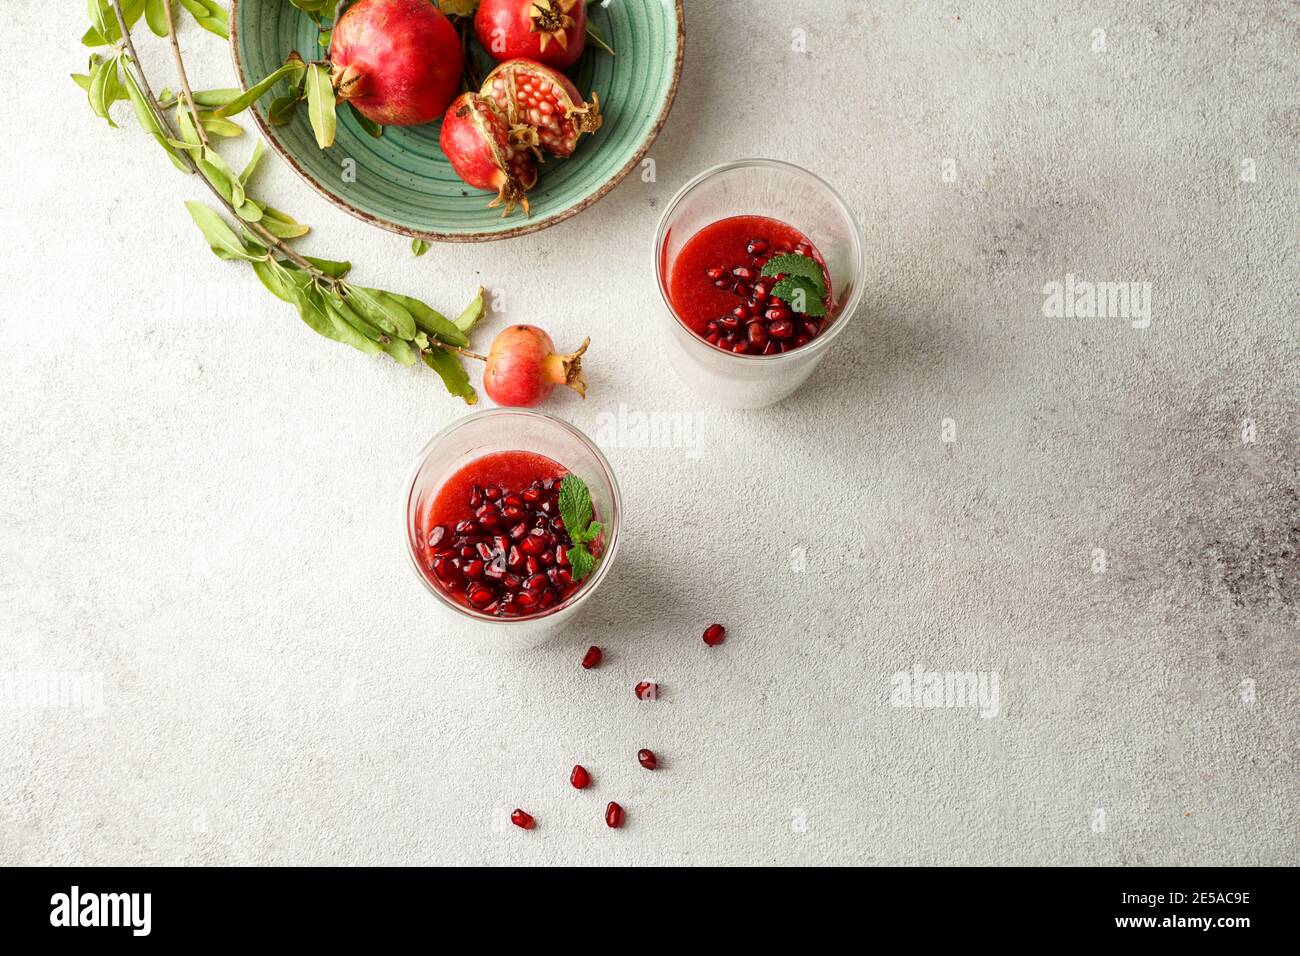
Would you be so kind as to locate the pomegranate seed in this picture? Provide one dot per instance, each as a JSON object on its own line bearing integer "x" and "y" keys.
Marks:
{"x": 473, "y": 569}
{"x": 714, "y": 635}
{"x": 466, "y": 527}
{"x": 436, "y": 536}
{"x": 592, "y": 658}
{"x": 743, "y": 273}
{"x": 740, "y": 348}
{"x": 522, "y": 820}
{"x": 579, "y": 778}
{"x": 757, "y": 247}
{"x": 647, "y": 759}
{"x": 480, "y": 596}
{"x": 757, "y": 335}
{"x": 476, "y": 497}
{"x": 722, "y": 283}
{"x": 799, "y": 341}
{"x": 716, "y": 272}
{"x": 803, "y": 248}
{"x": 776, "y": 313}
{"x": 613, "y": 816}
{"x": 781, "y": 329}
{"x": 647, "y": 690}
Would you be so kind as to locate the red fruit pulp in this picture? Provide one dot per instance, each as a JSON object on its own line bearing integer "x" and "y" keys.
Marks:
{"x": 715, "y": 281}
{"x": 493, "y": 540}
{"x": 548, "y": 31}
{"x": 580, "y": 777}
{"x": 397, "y": 61}
{"x": 613, "y": 815}
{"x": 591, "y": 658}
{"x": 647, "y": 759}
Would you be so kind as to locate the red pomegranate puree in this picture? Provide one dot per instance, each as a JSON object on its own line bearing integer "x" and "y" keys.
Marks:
{"x": 717, "y": 287}
{"x": 493, "y": 539}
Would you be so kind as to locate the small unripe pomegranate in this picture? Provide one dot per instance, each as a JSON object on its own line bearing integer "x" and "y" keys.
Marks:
{"x": 523, "y": 368}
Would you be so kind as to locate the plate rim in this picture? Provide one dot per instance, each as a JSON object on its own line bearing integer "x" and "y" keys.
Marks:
{"x": 527, "y": 228}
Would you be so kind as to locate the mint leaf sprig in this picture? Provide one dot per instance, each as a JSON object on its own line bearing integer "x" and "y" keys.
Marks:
{"x": 803, "y": 285}
{"x": 575, "y": 511}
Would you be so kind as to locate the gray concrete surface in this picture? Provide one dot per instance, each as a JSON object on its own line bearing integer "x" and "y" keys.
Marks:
{"x": 198, "y": 522}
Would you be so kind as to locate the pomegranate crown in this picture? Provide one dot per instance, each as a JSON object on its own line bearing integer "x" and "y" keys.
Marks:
{"x": 551, "y": 19}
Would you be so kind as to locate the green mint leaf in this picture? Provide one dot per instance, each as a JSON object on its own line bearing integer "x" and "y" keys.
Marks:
{"x": 580, "y": 561}
{"x": 801, "y": 294}
{"x": 593, "y": 531}
{"x": 419, "y": 247}
{"x": 793, "y": 264}
{"x": 575, "y": 507}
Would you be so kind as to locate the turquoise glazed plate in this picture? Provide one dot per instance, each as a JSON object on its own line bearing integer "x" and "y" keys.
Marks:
{"x": 404, "y": 183}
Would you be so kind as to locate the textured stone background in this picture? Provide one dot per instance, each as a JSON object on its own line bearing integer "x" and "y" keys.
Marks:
{"x": 199, "y": 501}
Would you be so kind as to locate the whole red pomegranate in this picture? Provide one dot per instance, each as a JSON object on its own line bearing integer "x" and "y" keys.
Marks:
{"x": 476, "y": 139}
{"x": 553, "y": 32}
{"x": 523, "y": 368}
{"x": 397, "y": 61}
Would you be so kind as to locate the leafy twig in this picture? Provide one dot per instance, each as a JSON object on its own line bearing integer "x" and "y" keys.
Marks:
{"x": 186, "y": 93}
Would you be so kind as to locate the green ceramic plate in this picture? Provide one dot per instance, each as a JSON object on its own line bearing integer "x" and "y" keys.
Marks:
{"x": 404, "y": 183}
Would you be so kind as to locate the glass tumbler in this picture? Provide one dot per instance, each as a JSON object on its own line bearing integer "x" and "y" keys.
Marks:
{"x": 758, "y": 187}
{"x": 500, "y": 430}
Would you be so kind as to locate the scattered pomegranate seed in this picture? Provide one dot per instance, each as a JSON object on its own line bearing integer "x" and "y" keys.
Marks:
{"x": 579, "y": 778}
{"x": 647, "y": 759}
{"x": 591, "y": 658}
{"x": 522, "y": 820}
{"x": 646, "y": 690}
{"x": 714, "y": 635}
{"x": 613, "y": 815}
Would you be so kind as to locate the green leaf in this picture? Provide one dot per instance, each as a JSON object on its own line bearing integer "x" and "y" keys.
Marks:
{"x": 458, "y": 8}
{"x": 430, "y": 321}
{"x": 594, "y": 36}
{"x": 281, "y": 224}
{"x": 321, "y": 106}
{"x": 581, "y": 561}
{"x": 219, "y": 235}
{"x": 575, "y": 507}
{"x": 419, "y": 247}
{"x": 281, "y": 110}
{"x": 219, "y": 173}
{"x": 368, "y": 304}
{"x": 259, "y": 151}
{"x": 401, "y": 351}
{"x": 220, "y": 127}
{"x": 336, "y": 270}
{"x": 365, "y": 122}
{"x": 259, "y": 89}
{"x": 277, "y": 279}
{"x": 210, "y": 15}
{"x": 802, "y": 295}
{"x": 82, "y": 80}
{"x": 155, "y": 14}
{"x": 593, "y": 531}
{"x": 103, "y": 82}
{"x": 314, "y": 308}
{"x": 452, "y": 373}
{"x": 216, "y": 98}
{"x": 473, "y": 312}
{"x": 793, "y": 264}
